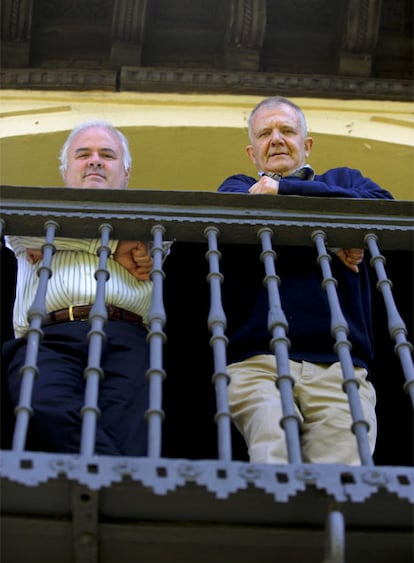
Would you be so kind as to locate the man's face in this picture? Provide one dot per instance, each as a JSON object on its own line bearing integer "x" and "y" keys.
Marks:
{"x": 95, "y": 160}
{"x": 278, "y": 140}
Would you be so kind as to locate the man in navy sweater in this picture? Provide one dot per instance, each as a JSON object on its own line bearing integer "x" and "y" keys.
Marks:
{"x": 279, "y": 147}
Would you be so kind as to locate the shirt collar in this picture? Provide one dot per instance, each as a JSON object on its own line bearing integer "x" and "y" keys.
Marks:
{"x": 305, "y": 172}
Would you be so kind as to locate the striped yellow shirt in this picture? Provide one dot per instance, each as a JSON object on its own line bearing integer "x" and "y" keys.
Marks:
{"x": 72, "y": 282}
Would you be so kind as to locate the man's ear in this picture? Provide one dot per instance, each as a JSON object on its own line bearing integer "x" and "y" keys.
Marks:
{"x": 308, "y": 145}
{"x": 127, "y": 176}
{"x": 250, "y": 153}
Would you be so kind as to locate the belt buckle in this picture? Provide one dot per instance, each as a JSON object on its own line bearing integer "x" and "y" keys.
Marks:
{"x": 70, "y": 310}
{"x": 71, "y": 314}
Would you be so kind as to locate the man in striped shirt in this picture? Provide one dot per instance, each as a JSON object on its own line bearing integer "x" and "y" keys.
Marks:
{"x": 95, "y": 155}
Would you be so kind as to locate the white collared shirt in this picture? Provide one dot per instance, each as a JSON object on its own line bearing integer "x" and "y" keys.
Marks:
{"x": 73, "y": 279}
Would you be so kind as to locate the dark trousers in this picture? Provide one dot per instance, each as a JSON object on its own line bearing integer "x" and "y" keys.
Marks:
{"x": 58, "y": 393}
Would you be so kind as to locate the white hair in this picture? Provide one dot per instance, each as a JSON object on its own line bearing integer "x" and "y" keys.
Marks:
{"x": 276, "y": 101}
{"x": 63, "y": 156}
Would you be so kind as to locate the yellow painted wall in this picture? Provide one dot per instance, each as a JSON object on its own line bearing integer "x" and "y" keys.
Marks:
{"x": 193, "y": 142}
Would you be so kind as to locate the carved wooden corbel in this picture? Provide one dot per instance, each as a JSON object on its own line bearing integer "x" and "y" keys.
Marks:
{"x": 360, "y": 37}
{"x": 245, "y": 30}
{"x": 16, "y": 32}
{"x": 128, "y": 24}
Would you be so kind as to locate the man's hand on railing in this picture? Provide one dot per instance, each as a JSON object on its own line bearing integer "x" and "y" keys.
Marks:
{"x": 135, "y": 257}
{"x": 265, "y": 185}
{"x": 33, "y": 255}
{"x": 351, "y": 257}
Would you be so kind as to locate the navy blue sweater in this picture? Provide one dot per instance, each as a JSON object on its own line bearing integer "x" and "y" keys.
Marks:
{"x": 303, "y": 299}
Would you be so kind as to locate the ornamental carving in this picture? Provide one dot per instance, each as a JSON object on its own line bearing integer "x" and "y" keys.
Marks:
{"x": 246, "y": 23}
{"x": 254, "y": 42}
{"x": 17, "y": 19}
{"x": 362, "y": 25}
{"x": 128, "y": 21}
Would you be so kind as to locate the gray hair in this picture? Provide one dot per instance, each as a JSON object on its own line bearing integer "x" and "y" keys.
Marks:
{"x": 273, "y": 102}
{"x": 63, "y": 156}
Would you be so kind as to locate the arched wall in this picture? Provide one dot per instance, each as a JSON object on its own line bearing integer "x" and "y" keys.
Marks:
{"x": 192, "y": 142}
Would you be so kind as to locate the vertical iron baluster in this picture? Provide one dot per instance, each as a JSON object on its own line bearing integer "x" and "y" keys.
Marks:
{"x": 396, "y": 325}
{"x": 217, "y": 324}
{"x": 156, "y": 338}
{"x": 340, "y": 331}
{"x": 279, "y": 344}
{"x": 335, "y": 538}
{"x": 36, "y": 315}
{"x": 96, "y": 337}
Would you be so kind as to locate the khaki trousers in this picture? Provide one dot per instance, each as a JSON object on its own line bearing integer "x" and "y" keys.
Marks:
{"x": 320, "y": 402}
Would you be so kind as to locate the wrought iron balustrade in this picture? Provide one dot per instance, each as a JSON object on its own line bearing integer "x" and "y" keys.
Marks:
{"x": 106, "y": 509}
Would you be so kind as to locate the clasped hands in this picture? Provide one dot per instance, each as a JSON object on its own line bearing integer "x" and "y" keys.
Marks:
{"x": 133, "y": 255}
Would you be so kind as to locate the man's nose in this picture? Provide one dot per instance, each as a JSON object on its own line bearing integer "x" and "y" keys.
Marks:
{"x": 277, "y": 136}
{"x": 95, "y": 161}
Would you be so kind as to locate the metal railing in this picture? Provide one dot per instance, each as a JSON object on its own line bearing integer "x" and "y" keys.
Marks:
{"x": 212, "y": 219}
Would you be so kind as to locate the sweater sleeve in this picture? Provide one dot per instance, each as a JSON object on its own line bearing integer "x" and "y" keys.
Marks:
{"x": 337, "y": 182}
{"x": 237, "y": 183}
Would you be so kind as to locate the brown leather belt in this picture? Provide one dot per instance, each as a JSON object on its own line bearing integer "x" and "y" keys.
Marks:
{"x": 81, "y": 313}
